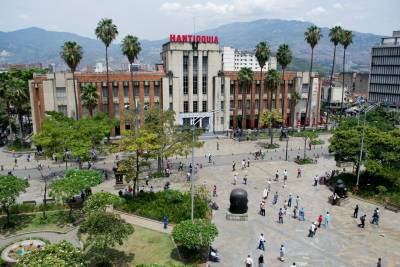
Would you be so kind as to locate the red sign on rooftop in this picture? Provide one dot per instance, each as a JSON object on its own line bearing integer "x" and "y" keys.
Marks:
{"x": 187, "y": 38}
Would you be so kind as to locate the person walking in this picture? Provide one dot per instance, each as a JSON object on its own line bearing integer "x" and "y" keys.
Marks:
{"x": 277, "y": 175}
{"x": 215, "y": 191}
{"x": 301, "y": 215}
{"x": 298, "y": 173}
{"x": 290, "y": 200}
{"x": 245, "y": 177}
{"x": 261, "y": 261}
{"x": 282, "y": 252}
{"x": 248, "y": 261}
{"x": 180, "y": 168}
{"x": 311, "y": 231}
{"x": 327, "y": 219}
{"x": 261, "y": 242}
{"x": 295, "y": 213}
{"x": 355, "y": 213}
{"x": 280, "y": 216}
{"x": 235, "y": 178}
{"x": 262, "y": 208}
{"x": 243, "y": 164}
{"x": 315, "y": 180}
{"x": 233, "y": 166}
{"x": 248, "y": 162}
{"x": 265, "y": 194}
{"x": 362, "y": 221}
{"x": 320, "y": 218}
{"x": 379, "y": 263}
{"x": 285, "y": 205}
{"x": 285, "y": 174}
{"x": 165, "y": 221}
{"x": 298, "y": 202}
{"x": 275, "y": 200}
{"x": 269, "y": 185}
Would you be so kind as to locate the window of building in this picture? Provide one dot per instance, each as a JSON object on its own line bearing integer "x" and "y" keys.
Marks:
{"x": 231, "y": 104}
{"x": 195, "y": 106}
{"x": 116, "y": 109}
{"x": 105, "y": 108}
{"x": 171, "y": 107}
{"x": 146, "y": 89}
{"x": 185, "y": 106}
{"x": 115, "y": 91}
{"x": 222, "y": 86}
{"x": 171, "y": 90}
{"x": 126, "y": 91}
{"x": 156, "y": 89}
{"x": 195, "y": 88}
{"x": 222, "y": 105}
{"x": 247, "y": 104}
{"x": 185, "y": 85}
{"x": 63, "y": 109}
{"x": 256, "y": 104}
{"x": 204, "y": 85}
{"x": 136, "y": 89}
{"x": 239, "y": 104}
{"x": 232, "y": 87}
{"x": 222, "y": 120}
{"x": 105, "y": 93}
{"x": 204, "y": 106}
{"x": 61, "y": 93}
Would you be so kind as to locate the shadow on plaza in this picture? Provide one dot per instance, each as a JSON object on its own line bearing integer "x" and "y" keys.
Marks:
{"x": 112, "y": 255}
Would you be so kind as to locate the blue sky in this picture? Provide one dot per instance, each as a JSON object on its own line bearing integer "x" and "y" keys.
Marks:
{"x": 155, "y": 19}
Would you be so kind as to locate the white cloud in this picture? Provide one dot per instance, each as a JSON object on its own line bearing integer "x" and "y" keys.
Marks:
{"x": 23, "y": 16}
{"x": 316, "y": 11}
{"x": 237, "y": 7}
{"x": 337, "y": 5}
{"x": 4, "y": 53}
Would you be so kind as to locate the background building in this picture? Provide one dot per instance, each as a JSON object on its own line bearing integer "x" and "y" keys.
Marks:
{"x": 384, "y": 81}
{"x": 234, "y": 59}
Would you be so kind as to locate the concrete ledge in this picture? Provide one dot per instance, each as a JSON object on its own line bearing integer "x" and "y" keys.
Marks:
{"x": 236, "y": 217}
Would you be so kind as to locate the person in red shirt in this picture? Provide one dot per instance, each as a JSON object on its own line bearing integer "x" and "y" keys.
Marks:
{"x": 320, "y": 218}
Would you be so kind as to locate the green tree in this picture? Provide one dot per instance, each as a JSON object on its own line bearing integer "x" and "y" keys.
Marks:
{"x": 89, "y": 97}
{"x": 284, "y": 58}
{"x": 245, "y": 78}
{"x": 273, "y": 78}
{"x": 262, "y": 54}
{"x": 10, "y": 188}
{"x": 335, "y": 35}
{"x": 104, "y": 230}
{"x": 270, "y": 118}
{"x": 345, "y": 40}
{"x": 106, "y": 31}
{"x": 131, "y": 48}
{"x": 62, "y": 254}
{"x": 312, "y": 37}
{"x": 194, "y": 235}
{"x": 73, "y": 183}
{"x": 98, "y": 202}
{"x": 171, "y": 139}
{"x": 72, "y": 54}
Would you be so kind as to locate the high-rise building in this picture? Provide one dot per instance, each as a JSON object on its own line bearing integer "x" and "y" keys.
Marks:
{"x": 384, "y": 81}
{"x": 234, "y": 60}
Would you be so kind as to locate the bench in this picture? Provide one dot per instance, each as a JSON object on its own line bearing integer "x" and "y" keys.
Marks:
{"x": 29, "y": 202}
{"x": 50, "y": 200}
{"x": 392, "y": 207}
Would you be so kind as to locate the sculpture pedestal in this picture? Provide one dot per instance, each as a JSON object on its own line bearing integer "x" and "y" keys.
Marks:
{"x": 236, "y": 217}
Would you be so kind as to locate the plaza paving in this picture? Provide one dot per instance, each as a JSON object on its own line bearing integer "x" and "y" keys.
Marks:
{"x": 341, "y": 244}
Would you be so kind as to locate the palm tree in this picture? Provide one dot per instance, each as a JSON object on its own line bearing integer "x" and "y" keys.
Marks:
{"x": 294, "y": 99}
{"x": 263, "y": 52}
{"x": 312, "y": 37}
{"x": 284, "y": 58}
{"x": 245, "y": 77}
{"x": 335, "y": 34}
{"x": 130, "y": 47}
{"x": 273, "y": 79}
{"x": 270, "y": 118}
{"x": 89, "y": 97}
{"x": 106, "y": 31}
{"x": 72, "y": 54}
{"x": 345, "y": 40}
{"x": 16, "y": 98}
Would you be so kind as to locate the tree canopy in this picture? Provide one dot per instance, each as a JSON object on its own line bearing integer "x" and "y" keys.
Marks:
{"x": 195, "y": 235}
{"x": 98, "y": 202}
{"x": 10, "y": 188}
{"x": 62, "y": 254}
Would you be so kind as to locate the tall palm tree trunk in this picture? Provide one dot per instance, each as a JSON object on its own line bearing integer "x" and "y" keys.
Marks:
{"x": 309, "y": 90}
{"x": 260, "y": 98}
{"x": 284, "y": 98}
{"x": 341, "y": 103}
{"x": 110, "y": 96}
{"x": 244, "y": 92}
{"x": 330, "y": 84}
{"x": 76, "y": 101}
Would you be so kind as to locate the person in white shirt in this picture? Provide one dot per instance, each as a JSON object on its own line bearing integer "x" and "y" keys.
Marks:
{"x": 265, "y": 194}
{"x": 282, "y": 252}
{"x": 261, "y": 242}
{"x": 248, "y": 261}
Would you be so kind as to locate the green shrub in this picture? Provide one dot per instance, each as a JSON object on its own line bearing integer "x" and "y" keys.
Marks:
{"x": 271, "y": 146}
{"x": 24, "y": 208}
{"x": 381, "y": 189}
{"x": 304, "y": 161}
{"x": 317, "y": 142}
{"x": 176, "y": 205}
{"x": 195, "y": 235}
{"x": 157, "y": 175}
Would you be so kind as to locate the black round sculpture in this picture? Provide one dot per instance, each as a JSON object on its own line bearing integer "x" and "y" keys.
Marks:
{"x": 238, "y": 201}
{"x": 340, "y": 188}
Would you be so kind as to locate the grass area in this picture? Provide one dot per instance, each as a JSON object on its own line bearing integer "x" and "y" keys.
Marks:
{"x": 22, "y": 223}
{"x": 19, "y": 148}
{"x": 304, "y": 161}
{"x": 146, "y": 247}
